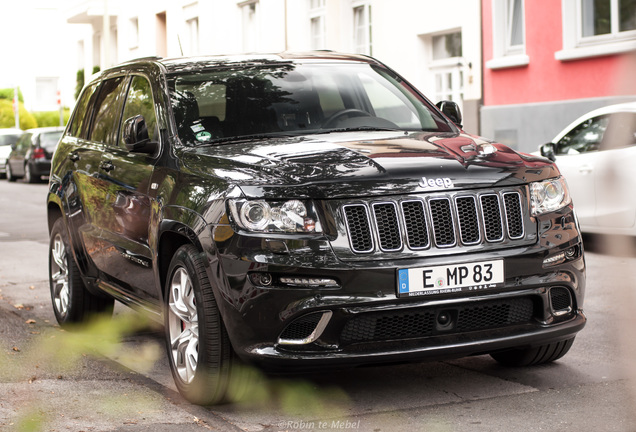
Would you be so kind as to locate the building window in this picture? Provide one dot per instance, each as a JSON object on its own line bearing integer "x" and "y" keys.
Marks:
{"x": 447, "y": 46}
{"x": 601, "y": 17}
{"x": 446, "y": 67}
{"x": 192, "y": 34}
{"x": 515, "y": 36}
{"x": 250, "y": 13}
{"x": 317, "y": 23}
{"x": 597, "y": 27}
{"x": 134, "y": 33}
{"x": 362, "y": 29}
{"x": 508, "y": 34}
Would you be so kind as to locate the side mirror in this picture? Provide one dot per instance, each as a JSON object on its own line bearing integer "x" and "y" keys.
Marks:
{"x": 136, "y": 136}
{"x": 452, "y": 111}
{"x": 549, "y": 151}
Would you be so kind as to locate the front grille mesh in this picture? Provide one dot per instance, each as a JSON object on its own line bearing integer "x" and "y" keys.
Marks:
{"x": 415, "y": 222}
{"x": 302, "y": 327}
{"x": 560, "y": 299}
{"x": 492, "y": 217}
{"x": 442, "y": 222}
{"x": 416, "y": 323}
{"x": 387, "y": 223}
{"x": 442, "y": 218}
{"x": 359, "y": 228}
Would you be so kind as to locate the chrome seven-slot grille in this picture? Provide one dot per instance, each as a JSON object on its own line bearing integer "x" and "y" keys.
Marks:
{"x": 436, "y": 221}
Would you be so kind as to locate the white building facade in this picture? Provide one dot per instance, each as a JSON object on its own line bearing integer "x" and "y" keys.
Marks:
{"x": 435, "y": 45}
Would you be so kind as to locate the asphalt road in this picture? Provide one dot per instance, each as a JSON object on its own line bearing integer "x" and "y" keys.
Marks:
{"x": 63, "y": 381}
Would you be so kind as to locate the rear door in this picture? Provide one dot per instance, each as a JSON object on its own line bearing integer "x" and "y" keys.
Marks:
{"x": 79, "y": 157}
{"x": 92, "y": 183}
{"x": 616, "y": 179}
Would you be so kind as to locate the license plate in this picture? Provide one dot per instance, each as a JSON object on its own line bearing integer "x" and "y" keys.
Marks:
{"x": 475, "y": 276}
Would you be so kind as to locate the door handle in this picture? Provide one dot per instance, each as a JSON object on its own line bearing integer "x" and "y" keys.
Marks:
{"x": 74, "y": 156}
{"x": 106, "y": 166}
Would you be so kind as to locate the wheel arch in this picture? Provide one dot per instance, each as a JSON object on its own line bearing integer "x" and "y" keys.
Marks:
{"x": 172, "y": 236}
{"x": 53, "y": 213}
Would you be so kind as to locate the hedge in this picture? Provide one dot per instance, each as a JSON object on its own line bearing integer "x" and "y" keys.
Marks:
{"x": 50, "y": 118}
{"x": 7, "y": 119}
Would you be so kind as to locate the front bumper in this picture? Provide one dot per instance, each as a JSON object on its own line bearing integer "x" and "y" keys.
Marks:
{"x": 362, "y": 320}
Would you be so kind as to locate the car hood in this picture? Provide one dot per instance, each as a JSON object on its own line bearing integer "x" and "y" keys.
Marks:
{"x": 365, "y": 164}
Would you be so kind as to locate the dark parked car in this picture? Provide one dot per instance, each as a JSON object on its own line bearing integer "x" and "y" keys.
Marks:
{"x": 31, "y": 156}
{"x": 305, "y": 212}
{"x": 8, "y": 137}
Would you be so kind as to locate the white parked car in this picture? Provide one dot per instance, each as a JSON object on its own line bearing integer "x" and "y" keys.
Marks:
{"x": 597, "y": 156}
{"x": 8, "y": 137}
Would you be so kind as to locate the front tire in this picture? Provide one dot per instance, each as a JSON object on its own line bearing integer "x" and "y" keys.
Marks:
{"x": 72, "y": 303}
{"x": 199, "y": 350}
{"x": 533, "y": 356}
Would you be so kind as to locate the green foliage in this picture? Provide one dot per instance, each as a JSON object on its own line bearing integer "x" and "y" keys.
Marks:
{"x": 7, "y": 93}
{"x": 7, "y": 119}
{"x": 80, "y": 82}
{"x": 51, "y": 118}
{"x": 96, "y": 69}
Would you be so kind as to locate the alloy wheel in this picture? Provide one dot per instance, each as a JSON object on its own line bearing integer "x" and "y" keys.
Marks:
{"x": 59, "y": 276}
{"x": 183, "y": 325}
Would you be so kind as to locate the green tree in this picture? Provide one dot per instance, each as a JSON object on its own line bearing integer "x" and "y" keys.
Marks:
{"x": 7, "y": 119}
{"x": 7, "y": 93}
{"x": 80, "y": 82}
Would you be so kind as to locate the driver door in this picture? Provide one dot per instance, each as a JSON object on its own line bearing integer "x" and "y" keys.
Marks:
{"x": 577, "y": 158}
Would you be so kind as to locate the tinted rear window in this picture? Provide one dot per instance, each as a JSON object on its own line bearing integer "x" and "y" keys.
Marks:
{"x": 49, "y": 140}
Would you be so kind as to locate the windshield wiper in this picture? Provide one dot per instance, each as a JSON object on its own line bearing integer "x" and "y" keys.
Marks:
{"x": 244, "y": 138}
{"x": 362, "y": 129}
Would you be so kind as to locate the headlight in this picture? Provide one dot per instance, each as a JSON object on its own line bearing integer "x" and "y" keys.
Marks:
{"x": 291, "y": 216}
{"x": 549, "y": 195}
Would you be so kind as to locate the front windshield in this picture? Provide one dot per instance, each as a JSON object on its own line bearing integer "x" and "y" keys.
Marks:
{"x": 293, "y": 99}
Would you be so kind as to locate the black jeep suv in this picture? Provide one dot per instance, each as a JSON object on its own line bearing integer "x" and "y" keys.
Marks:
{"x": 303, "y": 211}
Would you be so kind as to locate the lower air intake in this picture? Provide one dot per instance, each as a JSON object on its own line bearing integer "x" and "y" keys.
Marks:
{"x": 305, "y": 330}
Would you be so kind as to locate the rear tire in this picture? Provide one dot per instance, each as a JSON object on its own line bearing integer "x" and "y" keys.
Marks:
{"x": 533, "y": 356}
{"x": 10, "y": 176}
{"x": 72, "y": 302}
{"x": 199, "y": 349}
{"x": 28, "y": 174}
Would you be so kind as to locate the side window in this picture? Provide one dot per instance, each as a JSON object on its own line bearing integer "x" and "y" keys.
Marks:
{"x": 621, "y": 131}
{"x": 83, "y": 111}
{"x": 108, "y": 111}
{"x": 25, "y": 141}
{"x": 140, "y": 102}
{"x": 585, "y": 137}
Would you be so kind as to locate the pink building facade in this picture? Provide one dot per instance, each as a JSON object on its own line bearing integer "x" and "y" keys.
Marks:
{"x": 546, "y": 62}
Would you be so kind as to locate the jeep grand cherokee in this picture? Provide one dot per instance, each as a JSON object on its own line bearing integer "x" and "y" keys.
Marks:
{"x": 303, "y": 211}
